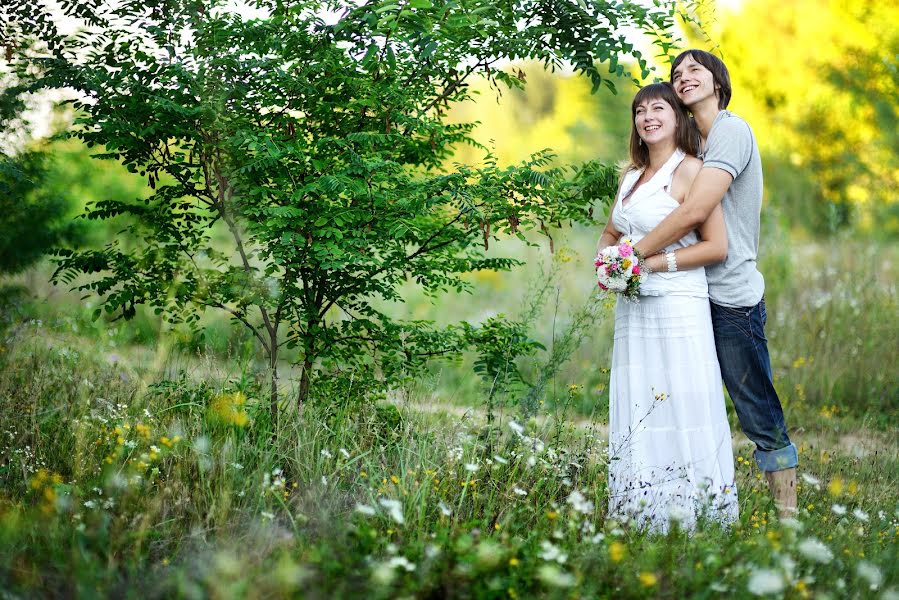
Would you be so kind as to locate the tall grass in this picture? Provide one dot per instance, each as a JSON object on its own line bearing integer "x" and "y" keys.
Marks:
{"x": 113, "y": 484}
{"x": 835, "y": 334}
{"x": 832, "y": 330}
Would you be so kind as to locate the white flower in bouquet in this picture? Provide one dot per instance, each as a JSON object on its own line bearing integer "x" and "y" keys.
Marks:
{"x": 618, "y": 269}
{"x": 617, "y": 285}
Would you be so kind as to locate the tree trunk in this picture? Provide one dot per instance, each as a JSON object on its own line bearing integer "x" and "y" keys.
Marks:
{"x": 273, "y": 399}
{"x": 305, "y": 379}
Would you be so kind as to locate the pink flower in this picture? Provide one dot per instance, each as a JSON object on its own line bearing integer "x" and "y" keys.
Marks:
{"x": 609, "y": 269}
{"x": 636, "y": 270}
{"x": 602, "y": 286}
{"x": 624, "y": 249}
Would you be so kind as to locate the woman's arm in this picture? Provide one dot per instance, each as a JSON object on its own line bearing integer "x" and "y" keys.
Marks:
{"x": 610, "y": 235}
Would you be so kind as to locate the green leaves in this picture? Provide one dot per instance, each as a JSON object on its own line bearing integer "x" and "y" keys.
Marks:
{"x": 499, "y": 344}
{"x": 32, "y": 220}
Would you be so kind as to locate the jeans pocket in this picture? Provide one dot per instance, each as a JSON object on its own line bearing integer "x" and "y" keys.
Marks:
{"x": 732, "y": 318}
{"x": 739, "y": 314}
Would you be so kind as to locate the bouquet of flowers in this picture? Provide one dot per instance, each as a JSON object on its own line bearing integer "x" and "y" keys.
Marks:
{"x": 619, "y": 269}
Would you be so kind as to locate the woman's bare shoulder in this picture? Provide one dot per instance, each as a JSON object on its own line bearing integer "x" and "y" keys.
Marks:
{"x": 683, "y": 177}
{"x": 689, "y": 167}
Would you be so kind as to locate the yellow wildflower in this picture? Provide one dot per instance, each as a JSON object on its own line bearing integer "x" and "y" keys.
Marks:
{"x": 37, "y": 481}
{"x": 616, "y": 551}
{"x": 648, "y": 579}
{"x": 227, "y": 408}
{"x": 835, "y": 487}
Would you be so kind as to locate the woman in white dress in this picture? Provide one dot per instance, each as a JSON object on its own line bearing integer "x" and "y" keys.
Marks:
{"x": 670, "y": 453}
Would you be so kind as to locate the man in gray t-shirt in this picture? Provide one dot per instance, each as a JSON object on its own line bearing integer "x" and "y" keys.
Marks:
{"x": 731, "y": 147}
{"x": 732, "y": 175}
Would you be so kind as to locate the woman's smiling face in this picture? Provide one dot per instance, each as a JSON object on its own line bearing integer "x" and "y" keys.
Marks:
{"x": 655, "y": 121}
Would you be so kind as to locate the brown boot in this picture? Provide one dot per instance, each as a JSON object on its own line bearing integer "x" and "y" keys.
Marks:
{"x": 783, "y": 487}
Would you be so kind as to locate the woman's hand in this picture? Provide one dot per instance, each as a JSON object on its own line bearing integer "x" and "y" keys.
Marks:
{"x": 607, "y": 239}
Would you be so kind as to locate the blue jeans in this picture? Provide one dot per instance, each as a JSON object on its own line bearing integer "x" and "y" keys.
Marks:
{"x": 746, "y": 370}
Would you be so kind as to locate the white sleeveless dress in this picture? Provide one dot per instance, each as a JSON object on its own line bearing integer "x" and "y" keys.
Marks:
{"x": 670, "y": 454}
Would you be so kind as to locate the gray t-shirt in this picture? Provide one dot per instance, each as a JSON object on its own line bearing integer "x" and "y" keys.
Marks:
{"x": 731, "y": 146}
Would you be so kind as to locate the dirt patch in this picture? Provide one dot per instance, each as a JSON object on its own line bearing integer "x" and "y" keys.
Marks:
{"x": 858, "y": 444}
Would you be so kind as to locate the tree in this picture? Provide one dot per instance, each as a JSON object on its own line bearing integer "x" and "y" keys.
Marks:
{"x": 313, "y": 138}
{"x": 31, "y": 222}
{"x": 32, "y": 219}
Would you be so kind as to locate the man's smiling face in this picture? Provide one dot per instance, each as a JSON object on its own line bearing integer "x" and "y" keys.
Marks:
{"x": 692, "y": 82}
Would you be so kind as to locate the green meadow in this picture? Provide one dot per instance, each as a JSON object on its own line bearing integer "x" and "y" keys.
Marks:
{"x": 140, "y": 456}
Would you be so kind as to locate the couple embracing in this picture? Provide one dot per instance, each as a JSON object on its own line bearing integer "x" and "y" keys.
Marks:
{"x": 690, "y": 202}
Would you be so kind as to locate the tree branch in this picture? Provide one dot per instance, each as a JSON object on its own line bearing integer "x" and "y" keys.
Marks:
{"x": 240, "y": 317}
{"x": 223, "y": 185}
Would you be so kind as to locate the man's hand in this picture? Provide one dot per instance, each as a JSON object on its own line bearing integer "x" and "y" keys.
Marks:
{"x": 705, "y": 194}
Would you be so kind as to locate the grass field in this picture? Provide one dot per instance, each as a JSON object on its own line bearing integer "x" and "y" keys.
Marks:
{"x": 135, "y": 463}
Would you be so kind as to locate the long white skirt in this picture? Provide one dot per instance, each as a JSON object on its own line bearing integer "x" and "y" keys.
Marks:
{"x": 670, "y": 454}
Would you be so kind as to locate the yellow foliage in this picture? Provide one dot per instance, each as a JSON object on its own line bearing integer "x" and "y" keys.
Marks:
{"x": 790, "y": 65}
{"x": 554, "y": 110}
{"x": 814, "y": 78}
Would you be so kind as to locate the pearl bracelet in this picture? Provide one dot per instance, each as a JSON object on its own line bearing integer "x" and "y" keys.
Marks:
{"x": 672, "y": 261}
